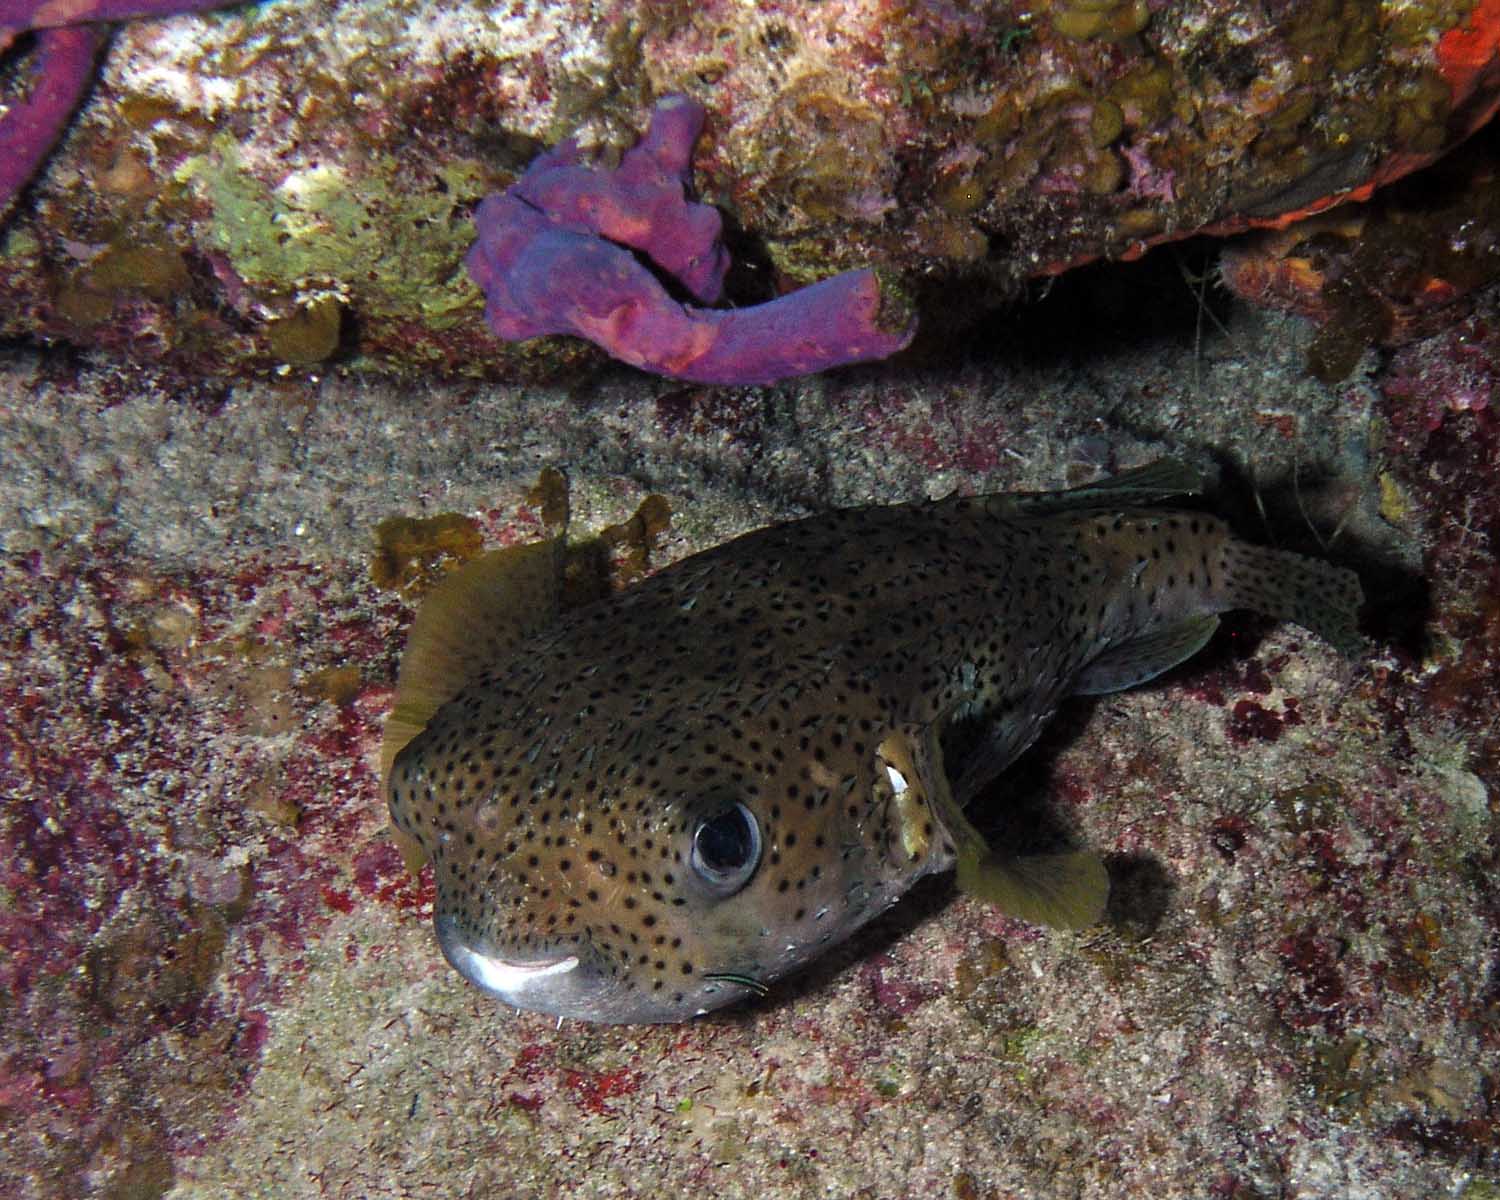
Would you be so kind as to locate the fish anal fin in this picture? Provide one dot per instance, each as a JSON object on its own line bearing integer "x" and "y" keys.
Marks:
{"x": 1064, "y": 891}
{"x": 468, "y": 622}
{"x": 1145, "y": 657}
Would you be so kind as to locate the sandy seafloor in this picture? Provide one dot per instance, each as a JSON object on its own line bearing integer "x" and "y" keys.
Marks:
{"x": 220, "y": 982}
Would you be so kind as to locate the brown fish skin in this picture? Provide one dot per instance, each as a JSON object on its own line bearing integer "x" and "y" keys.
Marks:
{"x": 665, "y": 800}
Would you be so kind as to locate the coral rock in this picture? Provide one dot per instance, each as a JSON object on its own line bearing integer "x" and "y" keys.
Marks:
{"x": 287, "y": 152}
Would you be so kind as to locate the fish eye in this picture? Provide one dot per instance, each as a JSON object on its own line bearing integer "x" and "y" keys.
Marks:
{"x": 726, "y": 849}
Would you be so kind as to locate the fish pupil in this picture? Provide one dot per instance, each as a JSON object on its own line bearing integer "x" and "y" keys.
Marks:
{"x": 726, "y": 849}
{"x": 726, "y": 842}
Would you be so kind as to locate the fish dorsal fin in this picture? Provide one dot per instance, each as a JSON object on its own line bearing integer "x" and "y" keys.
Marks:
{"x": 471, "y": 620}
{"x": 1146, "y": 657}
{"x": 1151, "y": 484}
{"x": 1065, "y": 891}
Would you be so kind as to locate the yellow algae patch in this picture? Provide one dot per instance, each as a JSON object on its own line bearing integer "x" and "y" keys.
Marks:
{"x": 630, "y": 542}
{"x": 550, "y": 497}
{"x": 1395, "y": 502}
{"x": 412, "y": 553}
{"x": 309, "y": 335}
{"x": 337, "y": 685}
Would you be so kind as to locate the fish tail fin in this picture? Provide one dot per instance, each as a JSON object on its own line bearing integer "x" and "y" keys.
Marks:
{"x": 1314, "y": 594}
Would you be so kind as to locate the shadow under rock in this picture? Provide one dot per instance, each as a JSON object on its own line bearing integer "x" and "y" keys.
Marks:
{"x": 1091, "y": 312}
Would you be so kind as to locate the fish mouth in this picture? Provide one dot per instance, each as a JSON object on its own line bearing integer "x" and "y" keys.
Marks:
{"x": 538, "y": 984}
{"x": 572, "y": 982}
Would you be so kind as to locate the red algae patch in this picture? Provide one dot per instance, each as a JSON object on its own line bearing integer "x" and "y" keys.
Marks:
{"x": 158, "y": 901}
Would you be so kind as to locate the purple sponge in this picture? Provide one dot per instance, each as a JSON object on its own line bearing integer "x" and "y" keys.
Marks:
{"x": 552, "y": 257}
{"x": 29, "y": 126}
{"x": 68, "y": 39}
{"x": 39, "y": 14}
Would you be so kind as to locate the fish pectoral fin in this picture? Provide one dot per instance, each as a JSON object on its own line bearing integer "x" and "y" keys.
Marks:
{"x": 1064, "y": 891}
{"x": 471, "y": 620}
{"x": 1129, "y": 663}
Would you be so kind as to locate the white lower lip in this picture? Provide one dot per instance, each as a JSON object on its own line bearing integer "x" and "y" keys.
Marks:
{"x": 508, "y": 979}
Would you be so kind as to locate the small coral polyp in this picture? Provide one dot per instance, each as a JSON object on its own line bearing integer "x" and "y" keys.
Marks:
{"x": 555, "y": 255}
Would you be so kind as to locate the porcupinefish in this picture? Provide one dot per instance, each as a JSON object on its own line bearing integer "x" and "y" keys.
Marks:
{"x": 660, "y": 802}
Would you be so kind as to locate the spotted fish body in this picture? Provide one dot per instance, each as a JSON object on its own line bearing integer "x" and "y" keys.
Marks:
{"x": 663, "y": 801}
